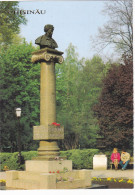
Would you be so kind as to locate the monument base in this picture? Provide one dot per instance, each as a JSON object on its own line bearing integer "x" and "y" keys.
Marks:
{"x": 48, "y": 148}
{"x": 30, "y": 180}
{"x": 47, "y": 166}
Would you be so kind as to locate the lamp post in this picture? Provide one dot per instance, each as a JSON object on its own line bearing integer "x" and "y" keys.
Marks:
{"x": 18, "y": 114}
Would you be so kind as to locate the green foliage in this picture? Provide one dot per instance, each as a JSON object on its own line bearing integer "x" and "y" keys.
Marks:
{"x": 90, "y": 88}
{"x": 4, "y": 158}
{"x": 9, "y": 22}
{"x": 10, "y": 159}
{"x": 19, "y": 88}
{"x": 68, "y": 110}
{"x": 78, "y": 86}
{"x": 29, "y": 155}
{"x": 82, "y": 159}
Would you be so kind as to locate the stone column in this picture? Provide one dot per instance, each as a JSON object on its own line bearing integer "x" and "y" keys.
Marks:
{"x": 47, "y": 93}
{"x": 46, "y": 132}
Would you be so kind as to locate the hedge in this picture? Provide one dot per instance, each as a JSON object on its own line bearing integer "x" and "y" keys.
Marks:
{"x": 9, "y": 160}
{"x": 82, "y": 159}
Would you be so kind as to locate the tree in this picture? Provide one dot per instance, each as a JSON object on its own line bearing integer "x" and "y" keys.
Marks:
{"x": 9, "y": 22}
{"x": 19, "y": 87}
{"x": 78, "y": 85}
{"x": 118, "y": 31}
{"x": 68, "y": 110}
{"x": 115, "y": 108}
{"x": 90, "y": 87}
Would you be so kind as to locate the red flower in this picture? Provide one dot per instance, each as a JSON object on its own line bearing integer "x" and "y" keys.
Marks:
{"x": 58, "y": 171}
{"x": 56, "y": 124}
{"x": 50, "y": 172}
{"x": 53, "y": 172}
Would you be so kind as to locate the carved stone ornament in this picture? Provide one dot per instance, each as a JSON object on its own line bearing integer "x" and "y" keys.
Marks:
{"x": 47, "y": 55}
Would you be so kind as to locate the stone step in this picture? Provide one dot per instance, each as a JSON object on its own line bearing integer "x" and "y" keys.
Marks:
{"x": 47, "y": 166}
{"x": 31, "y": 185}
{"x": 75, "y": 184}
{"x": 34, "y": 180}
{"x": 37, "y": 176}
{"x": 29, "y": 175}
{"x": 25, "y": 184}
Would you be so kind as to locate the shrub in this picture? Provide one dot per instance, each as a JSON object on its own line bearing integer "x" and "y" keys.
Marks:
{"x": 4, "y": 158}
{"x": 29, "y": 155}
{"x": 9, "y": 160}
{"x": 82, "y": 159}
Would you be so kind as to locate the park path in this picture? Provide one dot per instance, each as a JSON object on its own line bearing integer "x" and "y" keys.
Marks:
{"x": 2, "y": 175}
{"x": 129, "y": 174}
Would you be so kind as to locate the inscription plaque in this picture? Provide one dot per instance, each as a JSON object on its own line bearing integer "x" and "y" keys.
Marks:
{"x": 46, "y": 133}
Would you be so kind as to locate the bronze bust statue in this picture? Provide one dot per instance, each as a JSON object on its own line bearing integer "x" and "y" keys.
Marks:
{"x": 46, "y": 40}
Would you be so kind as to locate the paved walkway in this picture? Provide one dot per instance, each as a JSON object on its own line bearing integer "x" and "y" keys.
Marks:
{"x": 2, "y": 175}
{"x": 129, "y": 174}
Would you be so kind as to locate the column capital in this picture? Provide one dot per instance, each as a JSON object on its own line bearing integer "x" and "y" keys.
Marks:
{"x": 47, "y": 55}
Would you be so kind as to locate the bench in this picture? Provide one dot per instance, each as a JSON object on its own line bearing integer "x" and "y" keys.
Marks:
{"x": 131, "y": 162}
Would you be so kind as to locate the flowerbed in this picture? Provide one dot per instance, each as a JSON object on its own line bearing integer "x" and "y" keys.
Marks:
{"x": 114, "y": 183}
{"x": 2, "y": 182}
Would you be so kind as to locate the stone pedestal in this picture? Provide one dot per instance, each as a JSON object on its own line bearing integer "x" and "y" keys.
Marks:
{"x": 100, "y": 162}
{"x": 49, "y": 132}
{"x": 46, "y": 166}
{"x": 30, "y": 180}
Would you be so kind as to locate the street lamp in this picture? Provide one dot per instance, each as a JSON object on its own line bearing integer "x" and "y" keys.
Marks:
{"x": 18, "y": 114}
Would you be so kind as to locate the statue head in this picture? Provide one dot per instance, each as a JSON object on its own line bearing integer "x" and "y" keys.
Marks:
{"x": 46, "y": 40}
{"x": 48, "y": 29}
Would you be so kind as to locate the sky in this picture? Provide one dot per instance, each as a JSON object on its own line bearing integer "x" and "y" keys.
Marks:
{"x": 74, "y": 22}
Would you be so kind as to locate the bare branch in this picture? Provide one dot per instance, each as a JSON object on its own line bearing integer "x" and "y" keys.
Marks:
{"x": 118, "y": 31}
